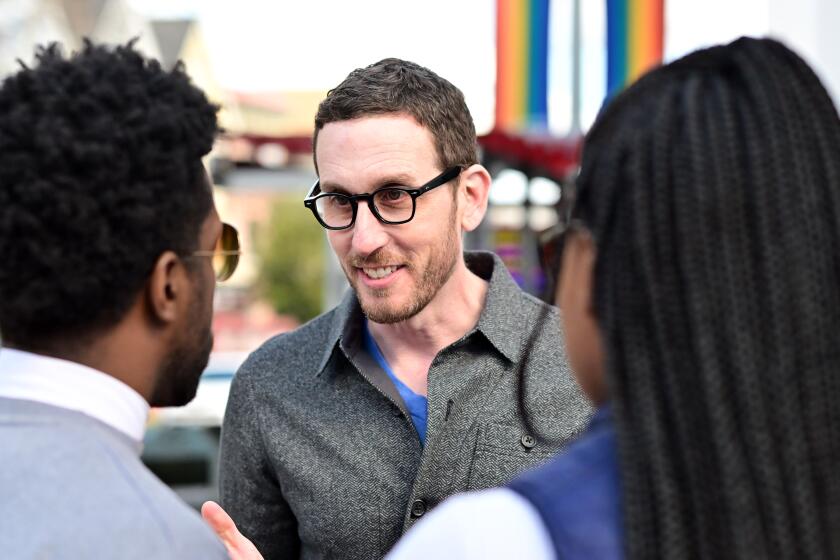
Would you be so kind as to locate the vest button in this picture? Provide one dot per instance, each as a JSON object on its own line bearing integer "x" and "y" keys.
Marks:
{"x": 528, "y": 442}
{"x": 418, "y": 508}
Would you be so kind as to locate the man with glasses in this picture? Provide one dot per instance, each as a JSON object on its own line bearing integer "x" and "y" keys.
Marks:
{"x": 111, "y": 247}
{"x": 340, "y": 435}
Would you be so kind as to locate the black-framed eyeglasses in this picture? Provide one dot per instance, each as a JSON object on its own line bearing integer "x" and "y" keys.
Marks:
{"x": 390, "y": 205}
{"x": 225, "y": 256}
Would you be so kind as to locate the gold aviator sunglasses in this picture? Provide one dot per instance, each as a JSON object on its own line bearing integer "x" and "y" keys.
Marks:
{"x": 225, "y": 257}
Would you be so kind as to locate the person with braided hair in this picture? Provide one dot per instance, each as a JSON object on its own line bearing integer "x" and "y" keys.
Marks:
{"x": 700, "y": 290}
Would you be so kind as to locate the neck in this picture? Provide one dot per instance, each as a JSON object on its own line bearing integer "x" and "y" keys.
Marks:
{"x": 410, "y": 346}
{"x": 126, "y": 358}
{"x": 121, "y": 352}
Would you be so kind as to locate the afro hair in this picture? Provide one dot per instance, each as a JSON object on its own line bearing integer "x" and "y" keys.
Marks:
{"x": 100, "y": 172}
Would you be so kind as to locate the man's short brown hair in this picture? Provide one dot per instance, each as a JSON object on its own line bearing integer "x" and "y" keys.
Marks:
{"x": 394, "y": 86}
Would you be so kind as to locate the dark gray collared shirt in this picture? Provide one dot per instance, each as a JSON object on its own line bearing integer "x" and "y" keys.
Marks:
{"x": 319, "y": 456}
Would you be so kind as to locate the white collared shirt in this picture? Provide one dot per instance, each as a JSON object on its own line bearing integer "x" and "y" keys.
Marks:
{"x": 65, "y": 384}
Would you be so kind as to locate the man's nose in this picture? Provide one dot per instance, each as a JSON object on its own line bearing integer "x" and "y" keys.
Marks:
{"x": 368, "y": 232}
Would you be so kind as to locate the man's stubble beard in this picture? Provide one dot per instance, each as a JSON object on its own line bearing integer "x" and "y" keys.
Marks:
{"x": 180, "y": 372}
{"x": 440, "y": 268}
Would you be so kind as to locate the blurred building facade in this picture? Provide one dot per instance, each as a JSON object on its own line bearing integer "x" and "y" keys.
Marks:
{"x": 266, "y": 148}
{"x": 26, "y": 23}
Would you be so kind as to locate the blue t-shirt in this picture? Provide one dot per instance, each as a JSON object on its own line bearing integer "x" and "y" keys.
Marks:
{"x": 417, "y": 404}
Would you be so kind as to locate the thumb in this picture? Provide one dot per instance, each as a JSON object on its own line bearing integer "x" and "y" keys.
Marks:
{"x": 218, "y": 519}
{"x": 238, "y": 547}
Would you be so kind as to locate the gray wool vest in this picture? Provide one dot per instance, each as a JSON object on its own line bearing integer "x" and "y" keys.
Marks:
{"x": 72, "y": 487}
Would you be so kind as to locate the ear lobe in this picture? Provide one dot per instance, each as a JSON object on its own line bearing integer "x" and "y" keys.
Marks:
{"x": 163, "y": 287}
{"x": 474, "y": 190}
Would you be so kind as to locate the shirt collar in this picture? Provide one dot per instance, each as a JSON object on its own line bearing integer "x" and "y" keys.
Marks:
{"x": 66, "y": 384}
{"x": 345, "y": 326}
{"x": 501, "y": 320}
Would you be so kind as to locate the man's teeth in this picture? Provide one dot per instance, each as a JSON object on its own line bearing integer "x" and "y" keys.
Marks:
{"x": 380, "y": 272}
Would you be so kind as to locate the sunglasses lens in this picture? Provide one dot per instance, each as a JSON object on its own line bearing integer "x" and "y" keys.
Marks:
{"x": 227, "y": 253}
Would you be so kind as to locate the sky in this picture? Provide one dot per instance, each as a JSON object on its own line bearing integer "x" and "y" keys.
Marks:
{"x": 313, "y": 45}
{"x": 284, "y": 44}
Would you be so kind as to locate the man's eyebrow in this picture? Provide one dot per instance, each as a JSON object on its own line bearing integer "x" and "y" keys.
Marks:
{"x": 331, "y": 188}
{"x": 397, "y": 179}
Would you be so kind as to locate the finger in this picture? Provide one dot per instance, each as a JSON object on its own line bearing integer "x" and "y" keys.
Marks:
{"x": 219, "y": 521}
{"x": 237, "y": 545}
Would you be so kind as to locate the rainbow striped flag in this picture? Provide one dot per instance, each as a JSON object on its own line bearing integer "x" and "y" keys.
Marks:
{"x": 634, "y": 40}
{"x": 522, "y": 65}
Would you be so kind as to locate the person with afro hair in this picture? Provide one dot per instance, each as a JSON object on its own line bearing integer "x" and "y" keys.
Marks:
{"x": 110, "y": 247}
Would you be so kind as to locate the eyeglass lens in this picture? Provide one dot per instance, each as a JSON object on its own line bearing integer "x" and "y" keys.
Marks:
{"x": 226, "y": 257}
{"x": 391, "y": 204}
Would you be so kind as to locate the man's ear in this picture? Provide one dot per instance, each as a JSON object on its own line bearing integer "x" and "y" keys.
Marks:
{"x": 472, "y": 193}
{"x": 165, "y": 286}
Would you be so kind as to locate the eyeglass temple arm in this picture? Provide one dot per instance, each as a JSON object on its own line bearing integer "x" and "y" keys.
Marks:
{"x": 442, "y": 180}
{"x": 214, "y": 253}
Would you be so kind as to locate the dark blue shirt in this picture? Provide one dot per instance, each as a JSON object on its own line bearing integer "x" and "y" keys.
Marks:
{"x": 577, "y": 494}
{"x": 417, "y": 404}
